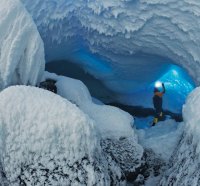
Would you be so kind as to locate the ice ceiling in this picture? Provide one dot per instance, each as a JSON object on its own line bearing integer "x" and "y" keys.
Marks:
{"x": 128, "y": 44}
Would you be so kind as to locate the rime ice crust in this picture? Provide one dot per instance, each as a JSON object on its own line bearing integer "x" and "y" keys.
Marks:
{"x": 46, "y": 139}
{"x": 116, "y": 29}
{"x": 21, "y": 50}
{"x": 40, "y": 130}
{"x": 184, "y": 166}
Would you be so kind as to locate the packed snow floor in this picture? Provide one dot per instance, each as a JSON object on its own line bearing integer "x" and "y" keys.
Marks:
{"x": 163, "y": 134}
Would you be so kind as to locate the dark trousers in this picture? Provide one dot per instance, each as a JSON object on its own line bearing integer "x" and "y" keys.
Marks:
{"x": 158, "y": 117}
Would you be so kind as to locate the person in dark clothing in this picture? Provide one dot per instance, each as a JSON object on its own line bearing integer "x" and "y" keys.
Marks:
{"x": 157, "y": 102}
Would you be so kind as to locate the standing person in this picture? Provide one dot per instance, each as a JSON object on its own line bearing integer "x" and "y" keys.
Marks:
{"x": 157, "y": 102}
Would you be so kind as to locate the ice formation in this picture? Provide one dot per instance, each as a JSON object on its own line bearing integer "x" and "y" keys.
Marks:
{"x": 126, "y": 44}
{"x": 21, "y": 50}
{"x": 151, "y": 27}
{"x": 184, "y": 166}
{"x": 45, "y": 139}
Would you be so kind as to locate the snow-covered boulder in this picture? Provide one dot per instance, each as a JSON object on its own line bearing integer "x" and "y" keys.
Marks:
{"x": 184, "y": 168}
{"x": 46, "y": 140}
{"x": 21, "y": 48}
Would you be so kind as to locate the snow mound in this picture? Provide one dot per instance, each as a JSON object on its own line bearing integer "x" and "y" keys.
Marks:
{"x": 21, "y": 50}
{"x": 185, "y": 161}
{"x": 111, "y": 121}
{"x": 46, "y": 140}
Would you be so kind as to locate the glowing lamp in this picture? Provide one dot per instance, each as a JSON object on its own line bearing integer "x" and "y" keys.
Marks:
{"x": 158, "y": 84}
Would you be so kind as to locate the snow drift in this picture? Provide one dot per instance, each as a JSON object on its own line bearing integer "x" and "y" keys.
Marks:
{"x": 111, "y": 121}
{"x": 21, "y": 50}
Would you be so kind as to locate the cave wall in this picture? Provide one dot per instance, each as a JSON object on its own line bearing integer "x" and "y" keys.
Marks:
{"x": 125, "y": 44}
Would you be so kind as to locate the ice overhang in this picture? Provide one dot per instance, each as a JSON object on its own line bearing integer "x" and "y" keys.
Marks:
{"x": 134, "y": 42}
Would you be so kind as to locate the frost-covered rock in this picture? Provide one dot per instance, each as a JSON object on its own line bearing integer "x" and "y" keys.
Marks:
{"x": 184, "y": 168}
{"x": 126, "y": 153}
{"x": 46, "y": 140}
{"x": 21, "y": 49}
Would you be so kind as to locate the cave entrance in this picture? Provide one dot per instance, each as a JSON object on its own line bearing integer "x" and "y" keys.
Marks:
{"x": 177, "y": 81}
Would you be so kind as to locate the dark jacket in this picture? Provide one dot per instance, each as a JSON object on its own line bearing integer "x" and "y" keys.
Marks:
{"x": 157, "y": 102}
{"x": 157, "y": 99}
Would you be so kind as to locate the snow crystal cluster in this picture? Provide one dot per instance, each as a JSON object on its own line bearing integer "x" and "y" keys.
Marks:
{"x": 45, "y": 139}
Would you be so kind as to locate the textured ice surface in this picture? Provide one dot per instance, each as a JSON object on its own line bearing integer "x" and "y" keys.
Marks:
{"x": 184, "y": 164}
{"x": 21, "y": 49}
{"x": 46, "y": 140}
{"x": 126, "y": 44}
{"x": 162, "y": 28}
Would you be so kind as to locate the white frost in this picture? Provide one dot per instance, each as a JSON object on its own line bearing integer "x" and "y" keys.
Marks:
{"x": 45, "y": 139}
{"x": 21, "y": 49}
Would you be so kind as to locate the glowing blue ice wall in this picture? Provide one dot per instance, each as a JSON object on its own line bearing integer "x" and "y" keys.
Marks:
{"x": 133, "y": 83}
{"x": 178, "y": 85}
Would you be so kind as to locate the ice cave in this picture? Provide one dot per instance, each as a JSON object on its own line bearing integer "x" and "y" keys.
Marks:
{"x": 104, "y": 59}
